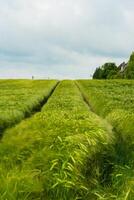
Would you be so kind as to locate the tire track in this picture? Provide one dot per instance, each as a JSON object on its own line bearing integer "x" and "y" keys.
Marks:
{"x": 36, "y": 109}
{"x": 85, "y": 98}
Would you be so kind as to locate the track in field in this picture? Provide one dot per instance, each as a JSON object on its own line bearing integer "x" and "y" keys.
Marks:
{"x": 85, "y": 98}
{"x": 62, "y": 137}
{"x": 35, "y": 110}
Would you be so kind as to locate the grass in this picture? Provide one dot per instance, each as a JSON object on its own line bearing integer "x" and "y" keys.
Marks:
{"x": 19, "y": 98}
{"x": 114, "y": 100}
{"x": 108, "y": 95}
{"x": 65, "y": 151}
{"x": 61, "y": 153}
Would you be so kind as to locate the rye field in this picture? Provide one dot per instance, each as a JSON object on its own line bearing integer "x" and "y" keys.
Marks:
{"x": 66, "y": 140}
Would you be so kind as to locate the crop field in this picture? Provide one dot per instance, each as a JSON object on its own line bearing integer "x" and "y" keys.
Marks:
{"x": 18, "y": 98}
{"x": 114, "y": 101}
{"x": 67, "y": 140}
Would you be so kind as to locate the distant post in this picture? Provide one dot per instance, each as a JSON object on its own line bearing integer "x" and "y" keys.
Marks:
{"x": 32, "y": 77}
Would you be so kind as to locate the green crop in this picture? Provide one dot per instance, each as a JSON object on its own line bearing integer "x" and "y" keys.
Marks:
{"x": 61, "y": 153}
{"x": 108, "y": 95}
{"x": 114, "y": 100}
{"x": 79, "y": 145}
{"x": 18, "y": 98}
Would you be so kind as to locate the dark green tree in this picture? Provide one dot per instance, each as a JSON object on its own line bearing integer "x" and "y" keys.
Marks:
{"x": 106, "y": 71}
{"x": 129, "y": 72}
{"x": 97, "y": 73}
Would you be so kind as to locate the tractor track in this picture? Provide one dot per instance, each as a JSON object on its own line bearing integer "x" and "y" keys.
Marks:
{"x": 36, "y": 109}
{"x": 84, "y": 97}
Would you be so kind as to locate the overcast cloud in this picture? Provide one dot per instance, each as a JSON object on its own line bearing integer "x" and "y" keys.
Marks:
{"x": 63, "y": 38}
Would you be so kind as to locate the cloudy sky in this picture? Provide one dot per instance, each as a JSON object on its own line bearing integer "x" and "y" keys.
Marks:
{"x": 63, "y": 38}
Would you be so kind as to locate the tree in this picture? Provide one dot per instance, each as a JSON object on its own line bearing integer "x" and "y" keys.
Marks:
{"x": 97, "y": 73}
{"x": 129, "y": 73}
{"x": 106, "y": 71}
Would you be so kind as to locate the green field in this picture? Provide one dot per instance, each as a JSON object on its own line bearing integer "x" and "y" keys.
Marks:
{"x": 19, "y": 98}
{"x": 66, "y": 140}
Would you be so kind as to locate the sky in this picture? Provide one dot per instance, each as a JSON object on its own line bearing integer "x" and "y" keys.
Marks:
{"x": 63, "y": 38}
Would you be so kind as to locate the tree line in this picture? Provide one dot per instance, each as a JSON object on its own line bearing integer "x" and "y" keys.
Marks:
{"x": 111, "y": 71}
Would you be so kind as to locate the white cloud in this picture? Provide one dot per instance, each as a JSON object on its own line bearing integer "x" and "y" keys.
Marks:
{"x": 63, "y": 38}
